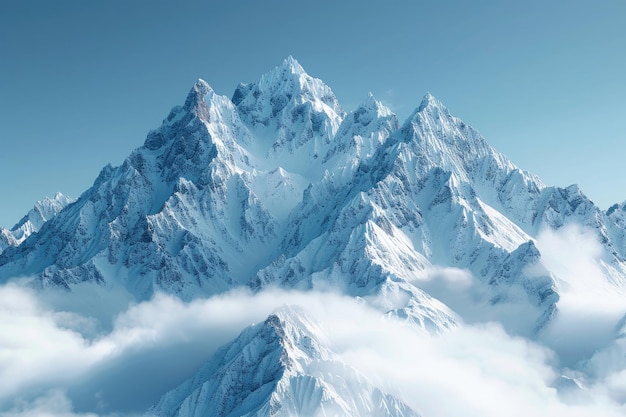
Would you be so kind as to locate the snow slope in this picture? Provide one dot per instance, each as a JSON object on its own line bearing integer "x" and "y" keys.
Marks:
{"x": 43, "y": 211}
{"x": 281, "y": 367}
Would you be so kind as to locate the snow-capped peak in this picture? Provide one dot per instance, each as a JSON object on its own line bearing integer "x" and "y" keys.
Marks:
{"x": 43, "y": 211}
{"x": 430, "y": 101}
{"x": 199, "y": 92}
{"x": 286, "y": 83}
{"x": 289, "y": 111}
{"x": 301, "y": 338}
{"x": 289, "y": 74}
{"x": 282, "y": 367}
{"x": 205, "y": 103}
{"x": 433, "y": 107}
{"x": 372, "y": 103}
{"x": 446, "y": 142}
{"x": 292, "y": 65}
{"x": 50, "y": 207}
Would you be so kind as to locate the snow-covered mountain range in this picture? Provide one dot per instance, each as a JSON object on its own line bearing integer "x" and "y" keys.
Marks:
{"x": 279, "y": 186}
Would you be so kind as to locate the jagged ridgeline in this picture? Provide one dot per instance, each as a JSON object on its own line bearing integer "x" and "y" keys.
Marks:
{"x": 280, "y": 186}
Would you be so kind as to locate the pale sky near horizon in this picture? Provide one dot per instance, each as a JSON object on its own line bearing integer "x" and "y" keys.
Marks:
{"x": 81, "y": 83}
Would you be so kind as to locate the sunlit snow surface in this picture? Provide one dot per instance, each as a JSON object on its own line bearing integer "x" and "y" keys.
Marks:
{"x": 420, "y": 225}
{"x": 43, "y": 211}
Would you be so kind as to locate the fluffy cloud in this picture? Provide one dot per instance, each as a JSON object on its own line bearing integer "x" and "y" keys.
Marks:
{"x": 475, "y": 371}
{"x": 590, "y": 305}
{"x": 35, "y": 348}
{"x": 56, "y": 363}
{"x": 53, "y": 403}
{"x": 471, "y": 299}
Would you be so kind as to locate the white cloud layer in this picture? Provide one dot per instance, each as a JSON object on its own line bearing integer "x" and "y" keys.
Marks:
{"x": 590, "y": 305}
{"x": 471, "y": 299}
{"x": 53, "y": 403}
{"x": 49, "y": 368}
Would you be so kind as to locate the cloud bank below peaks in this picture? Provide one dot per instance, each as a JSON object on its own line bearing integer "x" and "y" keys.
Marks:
{"x": 153, "y": 346}
{"x": 590, "y": 304}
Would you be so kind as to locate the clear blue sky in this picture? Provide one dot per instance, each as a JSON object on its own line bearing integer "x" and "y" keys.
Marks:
{"x": 82, "y": 82}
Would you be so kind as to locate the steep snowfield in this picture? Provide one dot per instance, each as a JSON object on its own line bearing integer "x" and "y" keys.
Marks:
{"x": 281, "y": 367}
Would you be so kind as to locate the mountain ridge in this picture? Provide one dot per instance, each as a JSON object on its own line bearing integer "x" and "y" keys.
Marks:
{"x": 280, "y": 186}
{"x": 41, "y": 212}
{"x": 281, "y": 367}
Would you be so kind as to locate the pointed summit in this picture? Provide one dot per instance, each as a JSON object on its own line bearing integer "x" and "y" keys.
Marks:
{"x": 430, "y": 111}
{"x": 201, "y": 86}
{"x": 285, "y": 83}
{"x": 198, "y": 93}
{"x": 431, "y": 102}
{"x": 370, "y": 97}
{"x": 293, "y": 110}
{"x": 362, "y": 131}
{"x": 291, "y": 79}
{"x": 370, "y": 109}
{"x": 292, "y": 65}
{"x": 444, "y": 141}
{"x": 289, "y": 75}
{"x": 371, "y": 103}
{"x": 281, "y": 367}
{"x": 42, "y": 211}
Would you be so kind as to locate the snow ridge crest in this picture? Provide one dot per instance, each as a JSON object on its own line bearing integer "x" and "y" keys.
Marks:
{"x": 279, "y": 186}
